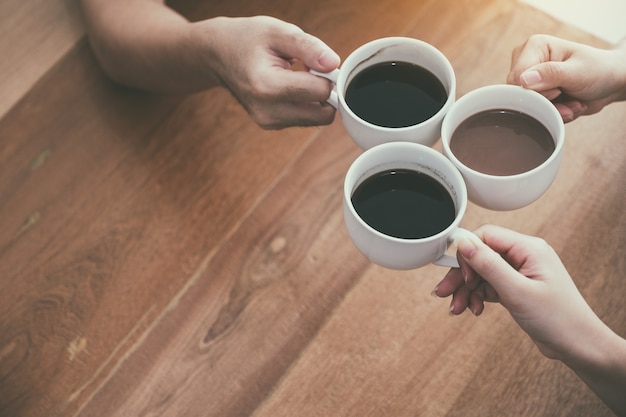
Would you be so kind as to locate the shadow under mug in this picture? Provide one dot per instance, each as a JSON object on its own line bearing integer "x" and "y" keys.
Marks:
{"x": 400, "y": 253}
{"x": 393, "y": 49}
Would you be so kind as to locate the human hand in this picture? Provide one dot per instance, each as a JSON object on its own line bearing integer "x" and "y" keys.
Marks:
{"x": 254, "y": 57}
{"x": 527, "y": 277}
{"x": 579, "y": 79}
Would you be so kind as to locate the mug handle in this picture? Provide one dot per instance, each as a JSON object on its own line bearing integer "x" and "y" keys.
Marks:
{"x": 332, "y": 76}
{"x": 450, "y": 261}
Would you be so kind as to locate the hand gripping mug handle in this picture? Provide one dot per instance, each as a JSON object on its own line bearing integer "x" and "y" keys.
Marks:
{"x": 450, "y": 261}
{"x": 333, "y": 100}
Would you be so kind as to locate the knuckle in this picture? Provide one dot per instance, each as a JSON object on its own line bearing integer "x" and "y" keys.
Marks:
{"x": 262, "y": 116}
{"x": 265, "y": 121}
{"x": 489, "y": 264}
{"x": 554, "y": 70}
{"x": 538, "y": 39}
{"x": 304, "y": 41}
{"x": 539, "y": 245}
{"x": 328, "y": 116}
{"x": 260, "y": 90}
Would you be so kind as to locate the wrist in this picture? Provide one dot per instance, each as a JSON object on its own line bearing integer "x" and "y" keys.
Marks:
{"x": 603, "y": 350}
{"x": 207, "y": 39}
{"x": 604, "y": 370}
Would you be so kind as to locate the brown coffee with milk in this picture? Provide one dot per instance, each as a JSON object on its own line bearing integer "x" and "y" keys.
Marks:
{"x": 501, "y": 142}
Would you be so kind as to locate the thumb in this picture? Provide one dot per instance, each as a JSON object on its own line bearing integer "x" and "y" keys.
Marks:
{"x": 544, "y": 76}
{"x": 490, "y": 265}
{"x": 313, "y": 53}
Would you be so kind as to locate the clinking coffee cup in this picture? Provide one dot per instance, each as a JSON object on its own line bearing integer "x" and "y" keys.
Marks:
{"x": 398, "y": 252}
{"x": 429, "y": 81}
{"x": 506, "y": 192}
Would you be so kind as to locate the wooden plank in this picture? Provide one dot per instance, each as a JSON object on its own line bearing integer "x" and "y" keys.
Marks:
{"x": 34, "y": 36}
{"x": 128, "y": 203}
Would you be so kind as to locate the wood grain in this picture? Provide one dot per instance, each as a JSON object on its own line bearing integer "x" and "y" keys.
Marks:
{"x": 34, "y": 35}
{"x": 162, "y": 255}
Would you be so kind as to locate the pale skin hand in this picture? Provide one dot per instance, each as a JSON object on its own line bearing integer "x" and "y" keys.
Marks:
{"x": 526, "y": 276}
{"x": 146, "y": 45}
{"x": 578, "y": 78}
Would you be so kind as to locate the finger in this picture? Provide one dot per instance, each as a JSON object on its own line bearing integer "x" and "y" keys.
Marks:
{"x": 276, "y": 83}
{"x": 460, "y": 300}
{"x": 314, "y": 53}
{"x": 476, "y": 302}
{"x": 449, "y": 284}
{"x": 471, "y": 278}
{"x": 532, "y": 52}
{"x": 294, "y": 44}
{"x": 485, "y": 256}
{"x": 503, "y": 241}
{"x": 570, "y": 110}
{"x": 273, "y": 77}
{"x": 544, "y": 76}
{"x": 285, "y": 114}
{"x": 537, "y": 51}
{"x": 490, "y": 294}
{"x": 551, "y": 94}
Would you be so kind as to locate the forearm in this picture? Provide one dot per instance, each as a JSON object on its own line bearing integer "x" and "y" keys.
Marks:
{"x": 603, "y": 369}
{"x": 144, "y": 44}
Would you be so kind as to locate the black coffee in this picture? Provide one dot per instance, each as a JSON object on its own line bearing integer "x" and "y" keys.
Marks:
{"x": 404, "y": 203}
{"x": 395, "y": 94}
{"x": 501, "y": 142}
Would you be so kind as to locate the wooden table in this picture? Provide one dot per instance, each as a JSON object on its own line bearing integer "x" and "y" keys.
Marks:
{"x": 162, "y": 255}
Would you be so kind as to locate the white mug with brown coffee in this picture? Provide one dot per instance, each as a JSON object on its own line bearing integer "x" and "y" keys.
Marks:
{"x": 393, "y": 89}
{"x": 507, "y": 142}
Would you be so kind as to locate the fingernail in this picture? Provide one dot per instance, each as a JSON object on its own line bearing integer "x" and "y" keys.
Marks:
{"x": 531, "y": 78}
{"x": 433, "y": 293}
{"x": 464, "y": 273}
{"x": 467, "y": 248}
{"x": 451, "y": 311}
{"x": 329, "y": 60}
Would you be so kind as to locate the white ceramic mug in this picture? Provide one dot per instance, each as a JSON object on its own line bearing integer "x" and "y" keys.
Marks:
{"x": 512, "y": 191}
{"x": 394, "y": 49}
{"x": 398, "y": 253}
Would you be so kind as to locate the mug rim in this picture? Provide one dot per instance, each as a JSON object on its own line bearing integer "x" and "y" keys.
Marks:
{"x": 461, "y": 198}
{"x": 390, "y": 41}
{"x": 558, "y": 139}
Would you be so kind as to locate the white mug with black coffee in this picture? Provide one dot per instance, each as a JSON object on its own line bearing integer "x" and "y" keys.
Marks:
{"x": 403, "y": 204}
{"x": 507, "y": 142}
{"x": 393, "y": 89}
